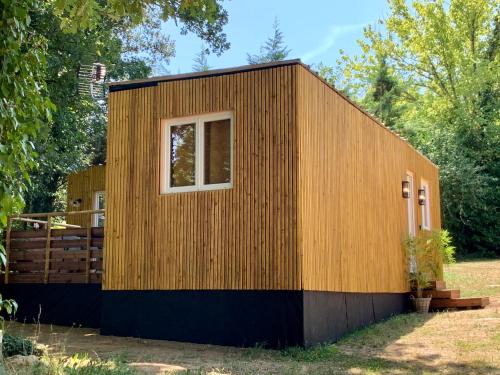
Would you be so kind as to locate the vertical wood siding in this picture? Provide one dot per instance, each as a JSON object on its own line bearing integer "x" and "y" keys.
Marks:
{"x": 316, "y": 200}
{"x": 82, "y": 185}
{"x": 239, "y": 238}
{"x": 352, "y": 214}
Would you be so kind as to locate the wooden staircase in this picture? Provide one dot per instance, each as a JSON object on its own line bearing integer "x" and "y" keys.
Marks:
{"x": 443, "y": 298}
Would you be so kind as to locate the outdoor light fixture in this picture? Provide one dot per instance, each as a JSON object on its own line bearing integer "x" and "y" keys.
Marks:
{"x": 406, "y": 189}
{"x": 421, "y": 196}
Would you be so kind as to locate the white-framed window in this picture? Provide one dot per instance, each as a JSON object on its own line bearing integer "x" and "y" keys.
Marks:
{"x": 426, "y": 212}
{"x": 99, "y": 203}
{"x": 197, "y": 153}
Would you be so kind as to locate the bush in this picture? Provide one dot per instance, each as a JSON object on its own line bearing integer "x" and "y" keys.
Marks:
{"x": 83, "y": 364}
{"x": 14, "y": 345}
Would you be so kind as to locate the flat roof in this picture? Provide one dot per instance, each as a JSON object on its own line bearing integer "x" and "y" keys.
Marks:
{"x": 153, "y": 81}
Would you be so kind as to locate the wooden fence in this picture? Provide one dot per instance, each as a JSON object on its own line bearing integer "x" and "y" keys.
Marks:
{"x": 55, "y": 252}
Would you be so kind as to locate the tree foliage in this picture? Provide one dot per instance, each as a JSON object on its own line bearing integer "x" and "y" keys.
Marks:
{"x": 204, "y": 18}
{"x": 44, "y": 44}
{"x": 446, "y": 53}
{"x": 146, "y": 40}
{"x": 383, "y": 96}
{"x": 274, "y": 49}
{"x": 200, "y": 61}
{"x": 24, "y": 106}
{"x": 130, "y": 44}
{"x": 76, "y": 136}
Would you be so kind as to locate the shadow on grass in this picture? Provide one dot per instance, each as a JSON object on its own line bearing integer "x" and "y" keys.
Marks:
{"x": 362, "y": 351}
{"x": 358, "y": 352}
{"x": 340, "y": 362}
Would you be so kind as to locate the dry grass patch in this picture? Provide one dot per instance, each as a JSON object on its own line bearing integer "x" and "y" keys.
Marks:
{"x": 446, "y": 342}
{"x": 474, "y": 278}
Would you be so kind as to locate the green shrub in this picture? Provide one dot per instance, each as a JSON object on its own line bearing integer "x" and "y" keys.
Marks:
{"x": 447, "y": 249}
{"x": 14, "y": 345}
{"x": 80, "y": 364}
{"x": 425, "y": 253}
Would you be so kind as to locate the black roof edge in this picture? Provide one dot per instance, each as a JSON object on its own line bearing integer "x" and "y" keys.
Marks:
{"x": 153, "y": 81}
{"x": 130, "y": 85}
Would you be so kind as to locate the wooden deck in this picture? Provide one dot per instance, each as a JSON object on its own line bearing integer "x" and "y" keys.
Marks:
{"x": 70, "y": 254}
{"x": 443, "y": 298}
{"x": 460, "y": 303}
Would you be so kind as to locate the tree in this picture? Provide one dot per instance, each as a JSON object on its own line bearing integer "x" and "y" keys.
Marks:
{"x": 76, "y": 136}
{"x": 25, "y": 108}
{"x": 382, "y": 98}
{"x": 274, "y": 49}
{"x": 201, "y": 61}
{"x": 204, "y": 18}
{"x": 28, "y": 138}
{"x": 447, "y": 55}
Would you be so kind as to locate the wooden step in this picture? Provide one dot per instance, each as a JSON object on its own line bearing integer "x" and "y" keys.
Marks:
{"x": 461, "y": 303}
{"x": 437, "y": 285}
{"x": 441, "y": 293}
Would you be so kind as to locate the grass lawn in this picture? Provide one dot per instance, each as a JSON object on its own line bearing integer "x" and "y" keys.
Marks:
{"x": 475, "y": 278}
{"x": 452, "y": 342}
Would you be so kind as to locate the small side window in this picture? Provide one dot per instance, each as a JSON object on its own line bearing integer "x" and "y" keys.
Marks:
{"x": 98, "y": 204}
{"x": 426, "y": 211}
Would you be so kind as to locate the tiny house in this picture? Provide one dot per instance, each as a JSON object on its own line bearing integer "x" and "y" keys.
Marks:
{"x": 250, "y": 205}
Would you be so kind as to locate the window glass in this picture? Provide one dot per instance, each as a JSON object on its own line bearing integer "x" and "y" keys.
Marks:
{"x": 99, "y": 204}
{"x": 426, "y": 214}
{"x": 182, "y": 155}
{"x": 411, "y": 206}
{"x": 217, "y": 152}
{"x": 197, "y": 153}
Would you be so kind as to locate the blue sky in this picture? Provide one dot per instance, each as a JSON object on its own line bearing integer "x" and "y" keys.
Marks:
{"x": 314, "y": 30}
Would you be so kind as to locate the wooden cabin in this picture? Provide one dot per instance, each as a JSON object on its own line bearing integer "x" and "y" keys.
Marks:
{"x": 253, "y": 205}
{"x": 86, "y": 191}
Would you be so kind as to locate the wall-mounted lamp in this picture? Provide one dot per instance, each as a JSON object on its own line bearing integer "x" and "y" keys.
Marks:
{"x": 405, "y": 185}
{"x": 421, "y": 196}
{"x": 76, "y": 202}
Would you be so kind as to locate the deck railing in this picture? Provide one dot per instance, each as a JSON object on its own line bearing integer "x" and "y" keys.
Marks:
{"x": 53, "y": 252}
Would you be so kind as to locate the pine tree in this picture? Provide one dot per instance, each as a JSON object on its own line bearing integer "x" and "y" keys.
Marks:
{"x": 274, "y": 49}
{"x": 383, "y": 95}
{"x": 201, "y": 61}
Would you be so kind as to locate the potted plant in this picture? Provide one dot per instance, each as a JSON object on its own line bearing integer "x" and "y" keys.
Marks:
{"x": 425, "y": 255}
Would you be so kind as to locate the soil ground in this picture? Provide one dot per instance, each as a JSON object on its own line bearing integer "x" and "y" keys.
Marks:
{"x": 451, "y": 342}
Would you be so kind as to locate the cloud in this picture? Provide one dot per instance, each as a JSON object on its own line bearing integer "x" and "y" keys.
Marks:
{"x": 329, "y": 40}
